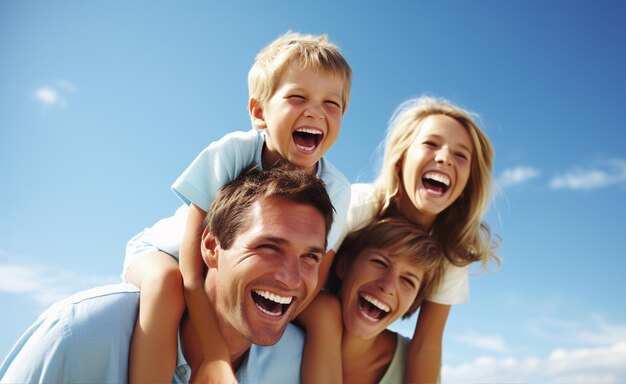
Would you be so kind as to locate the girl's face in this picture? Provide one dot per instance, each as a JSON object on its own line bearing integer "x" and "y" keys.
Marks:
{"x": 377, "y": 288}
{"x": 435, "y": 169}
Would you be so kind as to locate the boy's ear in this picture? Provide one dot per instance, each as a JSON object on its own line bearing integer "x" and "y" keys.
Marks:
{"x": 256, "y": 113}
{"x": 209, "y": 248}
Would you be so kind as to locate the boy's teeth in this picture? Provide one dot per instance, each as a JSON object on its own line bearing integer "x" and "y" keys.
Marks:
{"x": 383, "y": 307}
{"x": 438, "y": 177}
{"x": 310, "y": 131}
{"x": 274, "y": 297}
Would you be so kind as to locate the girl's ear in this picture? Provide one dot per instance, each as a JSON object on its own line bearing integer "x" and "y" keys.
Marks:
{"x": 256, "y": 113}
{"x": 210, "y": 246}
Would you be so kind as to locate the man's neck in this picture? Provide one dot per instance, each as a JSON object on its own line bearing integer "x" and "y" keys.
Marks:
{"x": 193, "y": 351}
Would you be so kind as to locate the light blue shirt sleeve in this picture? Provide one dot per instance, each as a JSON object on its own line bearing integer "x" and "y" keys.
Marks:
{"x": 218, "y": 164}
{"x": 338, "y": 188}
{"x": 82, "y": 339}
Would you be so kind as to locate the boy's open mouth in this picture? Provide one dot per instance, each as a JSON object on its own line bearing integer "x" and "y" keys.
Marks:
{"x": 270, "y": 303}
{"x": 372, "y": 308}
{"x": 307, "y": 139}
{"x": 436, "y": 182}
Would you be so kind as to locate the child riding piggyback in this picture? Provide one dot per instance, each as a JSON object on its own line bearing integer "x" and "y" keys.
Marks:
{"x": 299, "y": 88}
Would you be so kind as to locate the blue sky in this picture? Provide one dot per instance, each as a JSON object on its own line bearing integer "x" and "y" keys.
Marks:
{"x": 103, "y": 104}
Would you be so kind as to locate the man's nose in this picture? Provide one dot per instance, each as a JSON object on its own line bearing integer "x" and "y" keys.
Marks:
{"x": 289, "y": 272}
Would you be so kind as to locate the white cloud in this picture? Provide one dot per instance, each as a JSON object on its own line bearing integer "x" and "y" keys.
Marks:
{"x": 45, "y": 284}
{"x": 607, "y": 173}
{"x": 493, "y": 343}
{"x": 581, "y": 365}
{"x": 56, "y": 95}
{"x": 517, "y": 175}
{"x": 48, "y": 96}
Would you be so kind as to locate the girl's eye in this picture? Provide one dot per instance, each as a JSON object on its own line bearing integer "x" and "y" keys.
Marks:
{"x": 430, "y": 144}
{"x": 462, "y": 155}
{"x": 295, "y": 97}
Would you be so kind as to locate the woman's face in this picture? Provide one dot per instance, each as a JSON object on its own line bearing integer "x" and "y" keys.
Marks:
{"x": 435, "y": 169}
{"x": 377, "y": 288}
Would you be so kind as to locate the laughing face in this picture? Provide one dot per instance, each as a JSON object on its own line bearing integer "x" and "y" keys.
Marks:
{"x": 271, "y": 268}
{"x": 302, "y": 118}
{"x": 435, "y": 169}
{"x": 377, "y": 288}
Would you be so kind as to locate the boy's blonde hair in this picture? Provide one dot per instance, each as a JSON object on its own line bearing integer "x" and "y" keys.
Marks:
{"x": 309, "y": 52}
{"x": 404, "y": 241}
{"x": 459, "y": 230}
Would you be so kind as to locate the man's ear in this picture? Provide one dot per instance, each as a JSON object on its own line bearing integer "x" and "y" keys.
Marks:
{"x": 342, "y": 265}
{"x": 209, "y": 247}
{"x": 256, "y": 113}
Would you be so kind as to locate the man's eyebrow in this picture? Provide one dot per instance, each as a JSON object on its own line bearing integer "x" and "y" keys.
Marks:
{"x": 283, "y": 241}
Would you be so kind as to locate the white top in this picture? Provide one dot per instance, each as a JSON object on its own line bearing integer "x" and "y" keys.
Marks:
{"x": 454, "y": 286}
{"x": 218, "y": 164}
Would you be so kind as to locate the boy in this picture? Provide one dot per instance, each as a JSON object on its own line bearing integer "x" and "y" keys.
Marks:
{"x": 299, "y": 89}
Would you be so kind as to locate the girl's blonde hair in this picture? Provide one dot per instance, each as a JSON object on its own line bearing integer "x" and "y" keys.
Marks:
{"x": 459, "y": 230}
{"x": 309, "y": 52}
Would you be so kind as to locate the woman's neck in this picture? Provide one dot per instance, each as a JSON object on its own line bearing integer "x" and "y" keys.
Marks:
{"x": 366, "y": 360}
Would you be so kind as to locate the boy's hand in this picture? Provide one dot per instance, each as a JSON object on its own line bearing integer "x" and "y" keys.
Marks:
{"x": 213, "y": 372}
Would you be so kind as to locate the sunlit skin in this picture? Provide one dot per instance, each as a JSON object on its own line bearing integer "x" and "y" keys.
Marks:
{"x": 377, "y": 276}
{"x": 442, "y": 150}
{"x": 279, "y": 254}
{"x": 306, "y": 101}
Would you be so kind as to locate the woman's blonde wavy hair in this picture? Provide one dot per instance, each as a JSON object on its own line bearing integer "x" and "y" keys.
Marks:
{"x": 459, "y": 230}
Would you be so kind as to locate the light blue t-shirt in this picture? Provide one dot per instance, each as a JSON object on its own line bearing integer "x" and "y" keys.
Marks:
{"x": 218, "y": 164}
{"x": 86, "y": 337}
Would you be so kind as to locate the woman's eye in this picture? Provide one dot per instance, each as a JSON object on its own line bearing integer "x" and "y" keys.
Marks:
{"x": 462, "y": 155}
{"x": 409, "y": 282}
{"x": 379, "y": 262}
{"x": 430, "y": 144}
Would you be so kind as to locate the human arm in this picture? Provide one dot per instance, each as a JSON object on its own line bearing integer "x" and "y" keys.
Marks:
{"x": 216, "y": 357}
{"x": 424, "y": 351}
{"x": 321, "y": 357}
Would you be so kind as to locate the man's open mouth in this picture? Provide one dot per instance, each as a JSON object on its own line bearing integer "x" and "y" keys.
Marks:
{"x": 270, "y": 303}
{"x": 436, "y": 182}
{"x": 307, "y": 139}
{"x": 372, "y": 308}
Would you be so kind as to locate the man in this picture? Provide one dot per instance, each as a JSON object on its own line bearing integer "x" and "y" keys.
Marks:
{"x": 265, "y": 236}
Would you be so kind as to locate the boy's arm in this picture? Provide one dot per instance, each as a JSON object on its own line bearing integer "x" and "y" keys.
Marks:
{"x": 216, "y": 356}
{"x": 321, "y": 357}
{"x": 424, "y": 352}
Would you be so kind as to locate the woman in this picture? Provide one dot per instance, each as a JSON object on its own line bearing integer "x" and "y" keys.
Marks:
{"x": 436, "y": 173}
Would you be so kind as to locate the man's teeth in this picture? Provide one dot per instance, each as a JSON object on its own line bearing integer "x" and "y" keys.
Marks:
{"x": 436, "y": 176}
{"x": 309, "y": 130}
{"x": 375, "y": 302}
{"x": 274, "y": 297}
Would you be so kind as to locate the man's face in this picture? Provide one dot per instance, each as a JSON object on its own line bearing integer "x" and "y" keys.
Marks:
{"x": 270, "y": 270}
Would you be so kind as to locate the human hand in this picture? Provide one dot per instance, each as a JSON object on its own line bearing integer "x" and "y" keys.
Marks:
{"x": 213, "y": 372}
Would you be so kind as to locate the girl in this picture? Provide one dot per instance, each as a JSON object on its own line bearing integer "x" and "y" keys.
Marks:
{"x": 436, "y": 173}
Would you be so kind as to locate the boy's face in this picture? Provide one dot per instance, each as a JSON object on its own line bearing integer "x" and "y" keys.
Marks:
{"x": 302, "y": 118}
